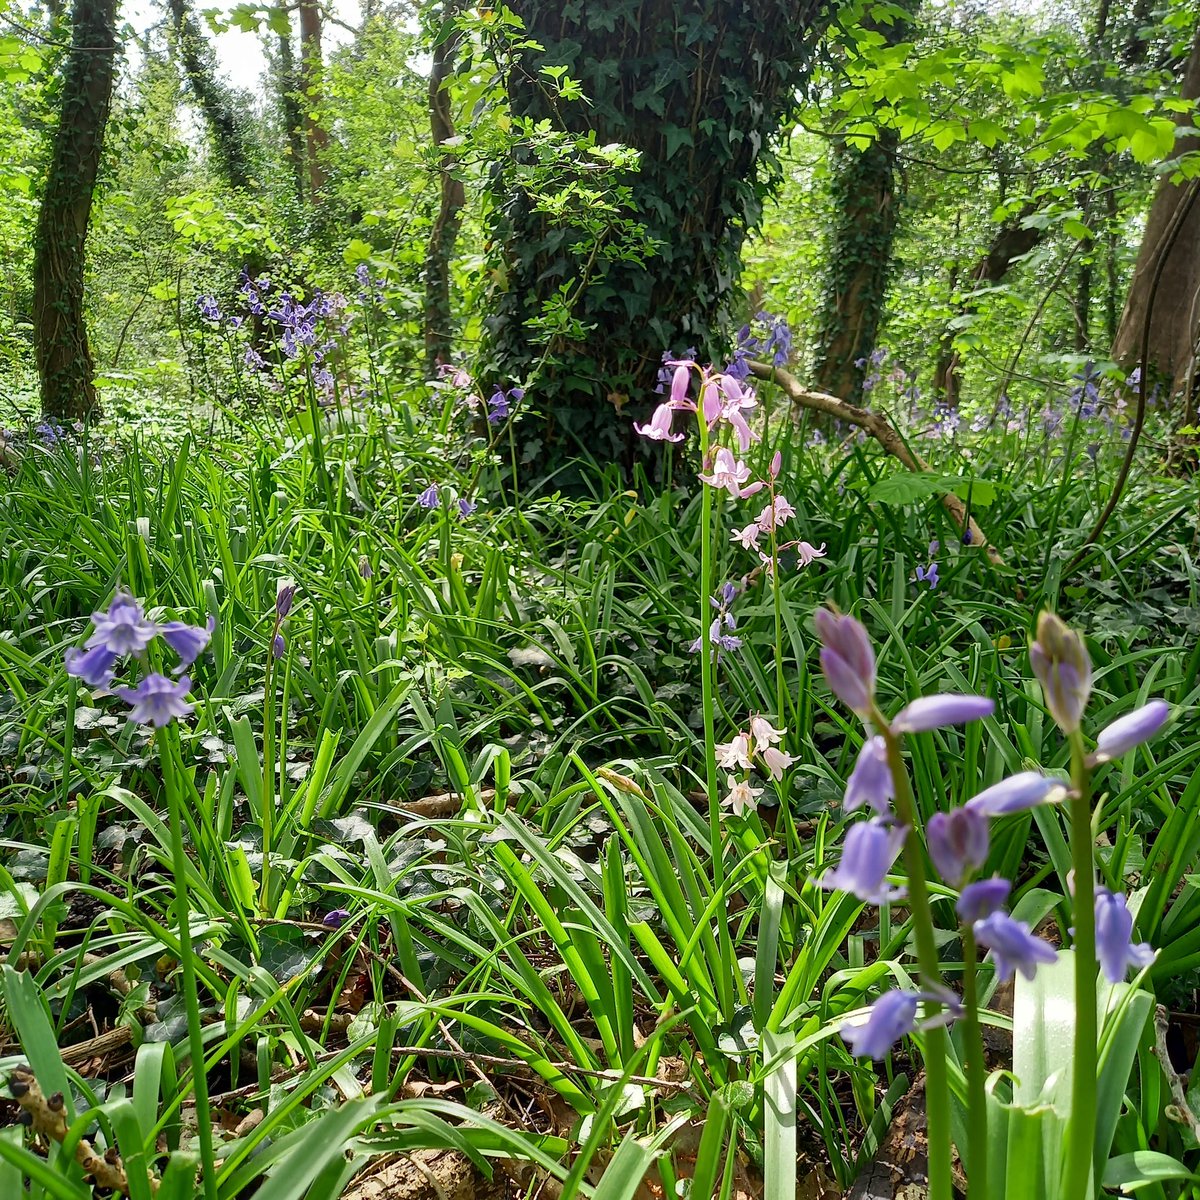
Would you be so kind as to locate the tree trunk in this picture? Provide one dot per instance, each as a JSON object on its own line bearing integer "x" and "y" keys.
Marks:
{"x": 1173, "y": 329}
{"x": 311, "y": 64}
{"x": 1012, "y": 240}
{"x": 440, "y": 252}
{"x": 232, "y": 154}
{"x": 698, "y": 87}
{"x": 859, "y": 255}
{"x": 293, "y": 115}
{"x": 860, "y": 260}
{"x": 64, "y": 359}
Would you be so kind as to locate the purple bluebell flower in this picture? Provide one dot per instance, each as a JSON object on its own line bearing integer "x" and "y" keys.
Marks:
{"x": 278, "y": 645}
{"x": 158, "y": 700}
{"x": 1131, "y": 730}
{"x": 188, "y": 641}
{"x": 124, "y": 628}
{"x": 365, "y": 570}
{"x": 50, "y": 432}
{"x": 254, "y": 360}
{"x": 430, "y": 497}
{"x": 1013, "y": 946}
{"x": 285, "y": 594}
{"x": 1027, "y": 789}
{"x": 209, "y": 309}
{"x": 337, "y": 918}
{"x": 891, "y": 1017}
{"x": 934, "y": 712}
{"x": 968, "y": 535}
{"x": 847, "y": 660}
{"x": 1114, "y": 933}
{"x": 868, "y": 853}
{"x": 94, "y": 667}
{"x": 928, "y": 575}
{"x": 1060, "y": 661}
{"x": 466, "y": 507}
{"x": 981, "y": 899}
{"x": 871, "y": 781}
{"x": 497, "y": 407}
{"x": 958, "y": 843}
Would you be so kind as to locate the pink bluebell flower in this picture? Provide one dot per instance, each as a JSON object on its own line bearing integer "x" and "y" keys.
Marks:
{"x": 735, "y": 753}
{"x": 731, "y": 474}
{"x": 776, "y": 762}
{"x": 806, "y": 553}
{"x": 659, "y": 427}
{"x": 740, "y": 797}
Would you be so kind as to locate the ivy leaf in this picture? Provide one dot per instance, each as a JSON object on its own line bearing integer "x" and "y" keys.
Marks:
{"x": 676, "y": 136}
{"x": 908, "y": 487}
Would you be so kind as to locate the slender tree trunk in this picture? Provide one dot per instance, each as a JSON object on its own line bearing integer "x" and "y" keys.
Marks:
{"x": 232, "y": 153}
{"x": 311, "y": 65}
{"x": 859, "y": 254}
{"x": 1010, "y": 241}
{"x": 1176, "y": 319}
{"x": 293, "y": 115}
{"x": 698, "y": 87}
{"x": 442, "y": 239}
{"x": 61, "y": 348}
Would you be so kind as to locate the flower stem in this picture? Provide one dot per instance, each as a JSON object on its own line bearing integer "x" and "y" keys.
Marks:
{"x": 1081, "y": 1131}
{"x": 724, "y": 982}
{"x": 977, "y": 1125}
{"x": 937, "y": 1081}
{"x": 169, "y": 760}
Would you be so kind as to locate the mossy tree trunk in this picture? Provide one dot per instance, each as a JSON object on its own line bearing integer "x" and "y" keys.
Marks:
{"x": 64, "y": 358}
{"x": 699, "y": 88}
{"x": 452, "y": 196}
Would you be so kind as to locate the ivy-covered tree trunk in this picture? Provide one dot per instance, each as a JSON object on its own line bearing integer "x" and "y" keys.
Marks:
{"x": 289, "y": 100}
{"x": 452, "y": 197}
{"x": 316, "y": 139}
{"x": 229, "y": 143}
{"x": 698, "y": 87}
{"x": 860, "y": 262}
{"x": 64, "y": 359}
{"x": 1173, "y": 229}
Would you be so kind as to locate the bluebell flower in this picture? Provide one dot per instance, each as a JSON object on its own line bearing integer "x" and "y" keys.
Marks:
{"x": 94, "y": 666}
{"x": 981, "y": 899}
{"x": 124, "y": 628}
{"x": 188, "y": 641}
{"x": 871, "y": 781}
{"x": 429, "y": 498}
{"x": 928, "y": 575}
{"x": 868, "y": 853}
{"x": 935, "y": 712}
{"x": 1012, "y": 946}
{"x": 1114, "y": 933}
{"x": 278, "y": 645}
{"x": 1027, "y": 789}
{"x": 1060, "y": 661}
{"x": 891, "y": 1017}
{"x": 466, "y": 507}
{"x": 1131, "y": 730}
{"x": 209, "y": 309}
{"x": 958, "y": 843}
{"x": 847, "y": 659}
{"x": 285, "y": 594}
{"x": 157, "y": 700}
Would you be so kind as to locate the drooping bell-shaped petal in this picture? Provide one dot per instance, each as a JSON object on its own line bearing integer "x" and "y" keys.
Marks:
{"x": 710, "y": 401}
{"x": 124, "y": 628}
{"x": 1027, "y": 789}
{"x": 981, "y": 899}
{"x": 1013, "y": 946}
{"x": 847, "y": 660}
{"x": 958, "y": 844}
{"x": 735, "y": 753}
{"x": 871, "y": 781}
{"x": 891, "y": 1017}
{"x": 1061, "y": 663}
{"x": 764, "y": 733}
{"x": 740, "y": 797}
{"x": 188, "y": 641}
{"x": 776, "y": 762}
{"x": 659, "y": 427}
{"x": 731, "y": 474}
{"x": 94, "y": 666}
{"x": 776, "y": 464}
{"x": 1130, "y": 730}
{"x": 157, "y": 700}
{"x": 869, "y": 851}
{"x": 934, "y": 712}
{"x": 1114, "y": 938}
{"x": 680, "y": 378}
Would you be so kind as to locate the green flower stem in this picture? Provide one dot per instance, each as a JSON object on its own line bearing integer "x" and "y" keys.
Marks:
{"x": 977, "y": 1125}
{"x": 780, "y": 681}
{"x": 937, "y": 1080}
{"x": 1081, "y": 1131}
{"x": 268, "y": 776}
{"x": 725, "y": 981}
{"x": 168, "y": 753}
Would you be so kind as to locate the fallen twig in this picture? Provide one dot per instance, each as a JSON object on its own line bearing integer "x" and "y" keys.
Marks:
{"x": 882, "y": 430}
